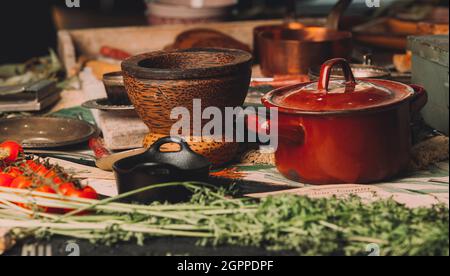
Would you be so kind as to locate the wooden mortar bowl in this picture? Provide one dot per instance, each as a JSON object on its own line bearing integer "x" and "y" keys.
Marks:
{"x": 160, "y": 81}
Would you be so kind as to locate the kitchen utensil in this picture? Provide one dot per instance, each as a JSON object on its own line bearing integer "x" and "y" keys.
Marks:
{"x": 74, "y": 157}
{"x": 105, "y": 159}
{"x": 46, "y": 132}
{"x": 115, "y": 89}
{"x": 430, "y": 62}
{"x": 346, "y": 131}
{"x": 159, "y": 82}
{"x": 105, "y": 162}
{"x": 156, "y": 166}
{"x": 61, "y": 153}
{"x": 292, "y": 49}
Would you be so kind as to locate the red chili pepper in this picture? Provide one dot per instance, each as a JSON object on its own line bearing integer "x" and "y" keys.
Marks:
{"x": 114, "y": 53}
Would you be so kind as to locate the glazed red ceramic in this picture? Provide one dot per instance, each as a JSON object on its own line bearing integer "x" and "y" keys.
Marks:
{"x": 344, "y": 131}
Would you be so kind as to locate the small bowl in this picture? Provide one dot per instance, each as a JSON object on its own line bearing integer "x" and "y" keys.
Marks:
{"x": 115, "y": 89}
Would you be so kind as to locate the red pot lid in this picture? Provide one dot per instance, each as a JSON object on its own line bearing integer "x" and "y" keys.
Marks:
{"x": 339, "y": 95}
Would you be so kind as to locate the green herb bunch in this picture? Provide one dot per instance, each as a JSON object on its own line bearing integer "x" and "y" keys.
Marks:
{"x": 293, "y": 224}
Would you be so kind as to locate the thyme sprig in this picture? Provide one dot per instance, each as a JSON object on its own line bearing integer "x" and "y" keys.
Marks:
{"x": 285, "y": 223}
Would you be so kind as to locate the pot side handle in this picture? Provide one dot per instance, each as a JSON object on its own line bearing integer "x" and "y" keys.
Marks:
{"x": 419, "y": 100}
{"x": 295, "y": 134}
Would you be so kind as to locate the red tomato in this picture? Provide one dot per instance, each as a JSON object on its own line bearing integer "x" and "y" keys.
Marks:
{"x": 67, "y": 188}
{"x": 21, "y": 182}
{"x": 30, "y": 164}
{"x": 89, "y": 193}
{"x": 6, "y": 180}
{"x": 70, "y": 190}
{"x": 14, "y": 172}
{"x": 48, "y": 190}
{"x": 57, "y": 180}
{"x": 41, "y": 170}
{"x": 10, "y": 151}
{"x": 51, "y": 174}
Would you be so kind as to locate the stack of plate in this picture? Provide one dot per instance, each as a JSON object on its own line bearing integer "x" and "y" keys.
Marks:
{"x": 188, "y": 11}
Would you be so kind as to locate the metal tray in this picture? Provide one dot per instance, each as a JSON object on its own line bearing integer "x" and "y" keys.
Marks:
{"x": 46, "y": 132}
{"x": 106, "y": 105}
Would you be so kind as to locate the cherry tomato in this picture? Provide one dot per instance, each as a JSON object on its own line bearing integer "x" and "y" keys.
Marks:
{"x": 41, "y": 170}
{"x": 89, "y": 193}
{"x": 48, "y": 190}
{"x": 14, "y": 172}
{"x": 10, "y": 151}
{"x": 21, "y": 182}
{"x": 67, "y": 188}
{"x": 70, "y": 190}
{"x": 30, "y": 164}
{"x": 57, "y": 180}
{"x": 6, "y": 180}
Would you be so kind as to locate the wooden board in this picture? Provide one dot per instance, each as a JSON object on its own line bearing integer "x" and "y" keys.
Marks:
{"x": 87, "y": 42}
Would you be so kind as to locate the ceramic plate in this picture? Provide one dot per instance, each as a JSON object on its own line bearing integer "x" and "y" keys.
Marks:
{"x": 46, "y": 132}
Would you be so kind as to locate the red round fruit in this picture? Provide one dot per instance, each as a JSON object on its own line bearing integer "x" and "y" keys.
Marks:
{"x": 10, "y": 151}
{"x": 89, "y": 193}
{"x": 14, "y": 172}
{"x": 21, "y": 182}
{"x": 30, "y": 164}
{"x": 48, "y": 190}
{"x": 67, "y": 188}
{"x": 6, "y": 180}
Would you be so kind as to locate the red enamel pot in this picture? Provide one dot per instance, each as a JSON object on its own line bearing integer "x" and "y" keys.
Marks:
{"x": 344, "y": 131}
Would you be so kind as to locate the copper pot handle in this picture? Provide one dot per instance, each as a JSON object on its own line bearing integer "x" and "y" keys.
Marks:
{"x": 326, "y": 72}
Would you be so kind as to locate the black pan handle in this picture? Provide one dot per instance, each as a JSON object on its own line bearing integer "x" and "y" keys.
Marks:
{"x": 156, "y": 147}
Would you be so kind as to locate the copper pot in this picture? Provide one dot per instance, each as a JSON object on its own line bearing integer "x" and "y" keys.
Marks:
{"x": 344, "y": 131}
{"x": 291, "y": 49}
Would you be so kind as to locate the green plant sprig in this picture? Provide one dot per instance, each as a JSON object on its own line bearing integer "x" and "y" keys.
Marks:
{"x": 285, "y": 223}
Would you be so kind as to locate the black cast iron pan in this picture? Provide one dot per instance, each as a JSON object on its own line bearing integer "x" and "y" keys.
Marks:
{"x": 156, "y": 167}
